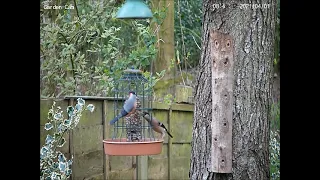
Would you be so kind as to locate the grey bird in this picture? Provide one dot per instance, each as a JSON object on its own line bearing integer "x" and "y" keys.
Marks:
{"x": 156, "y": 125}
{"x": 128, "y": 108}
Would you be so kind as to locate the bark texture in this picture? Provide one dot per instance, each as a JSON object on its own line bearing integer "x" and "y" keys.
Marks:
{"x": 165, "y": 38}
{"x": 253, "y": 31}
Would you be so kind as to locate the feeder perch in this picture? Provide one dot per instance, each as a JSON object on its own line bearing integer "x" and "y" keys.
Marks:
{"x": 132, "y": 135}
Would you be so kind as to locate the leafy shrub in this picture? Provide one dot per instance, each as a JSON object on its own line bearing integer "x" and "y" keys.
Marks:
{"x": 274, "y": 156}
{"x": 187, "y": 31}
{"x": 274, "y": 144}
{"x": 53, "y": 164}
{"x": 275, "y": 116}
{"x": 84, "y": 49}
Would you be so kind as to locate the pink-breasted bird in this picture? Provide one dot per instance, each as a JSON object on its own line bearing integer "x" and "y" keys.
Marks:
{"x": 156, "y": 125}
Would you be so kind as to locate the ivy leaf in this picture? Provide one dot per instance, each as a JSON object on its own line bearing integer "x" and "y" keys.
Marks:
{"x": 61, "y": 157}
{"x": 62, "y": 166}
{"x": 60, "y": 128}
{"x": 48, "y": 126}
{"x": 50, "y": 162}
{"x": 54, "y": 175}
{"x": 55, "y": 165}
{"x": 81, "y": 101}
{"x": 57, "y": 116}
{"x": 47, "y": 171}
{"x": 42, "y": 156}
{"x": 90, "y": 107}
{"x": 50, "y": 115}
{"x": 70, "y": 110}
{"x": 78, "y": 107}
{"x": 62, "y": 142}
{"x": 49, "y": 139}
{"x": 67, "y": 122}
{"x": 43, "y": 151}
{"x": 70, "y": 163}
{"x": 56, "y": 135}
{"x": 69, "y": 172}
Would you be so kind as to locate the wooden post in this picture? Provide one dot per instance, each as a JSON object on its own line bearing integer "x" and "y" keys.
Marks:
{"x": 222, "y": 100}
{"x": 71, "y": 149}
{"x": 105, "y": 135}
{"x": 134, "y": 161}
{"x": 169, "y": 144}
{"x": 142, "y": 167}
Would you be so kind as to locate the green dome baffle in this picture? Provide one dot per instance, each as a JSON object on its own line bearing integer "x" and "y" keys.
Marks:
{"x": 134, "y": 9}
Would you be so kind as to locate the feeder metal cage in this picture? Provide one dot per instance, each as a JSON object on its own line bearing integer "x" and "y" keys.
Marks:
{"x": 133, "y": 135}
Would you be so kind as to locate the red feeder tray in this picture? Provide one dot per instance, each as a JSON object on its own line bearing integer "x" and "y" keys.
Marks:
{"x": 120, "y": 147}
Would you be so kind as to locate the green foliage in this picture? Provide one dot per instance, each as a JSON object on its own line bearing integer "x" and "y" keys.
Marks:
{"x": 83, "y": 50}
{"x": 275, "y": 116}
{"x": 75, "y": 51}
{"x": 275, "y": 142}
{"x": 53, "y": 164}
{"x": 275, "y": 112}
{"x": 169, "y": 99}
{"x": 153, "y": 79}
{"x": 143, "y": 52}
{"x": 187, "y": 33}
{"x": 274, "y": 156}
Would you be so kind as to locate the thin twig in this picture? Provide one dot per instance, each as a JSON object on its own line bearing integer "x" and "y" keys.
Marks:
{"x": 196, "y": 43}
{"x": 76, "y": 35}
{"x": 113, "y": 7}
{"x": 75, "y": 5}
{"x": 72, "y": 64}
{"x": 182, "y": 37}
{"x": 64, "y": 37}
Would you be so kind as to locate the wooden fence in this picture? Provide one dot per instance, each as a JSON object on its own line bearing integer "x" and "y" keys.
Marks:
{"x": 86, "y": 146}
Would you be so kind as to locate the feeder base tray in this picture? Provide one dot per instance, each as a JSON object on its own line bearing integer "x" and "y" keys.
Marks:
{"x": 120, "y": 147}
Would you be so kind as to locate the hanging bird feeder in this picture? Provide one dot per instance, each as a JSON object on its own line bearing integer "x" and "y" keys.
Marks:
{"x": 132, "y": 135}
{"x": 134, "y": 9}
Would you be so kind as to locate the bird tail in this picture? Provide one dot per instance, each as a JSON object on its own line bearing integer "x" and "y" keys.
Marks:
{"x": 169, "y": 134}
{"x": 114, "y": 120}
{"x": 122, "y": 114}
{"x": 166, "y": 130}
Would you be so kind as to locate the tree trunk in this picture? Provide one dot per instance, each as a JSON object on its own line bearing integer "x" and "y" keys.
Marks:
{"x": 253, "y": 32}
{"x": 165, "y": 37}
{"x": 165, "y": 47}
